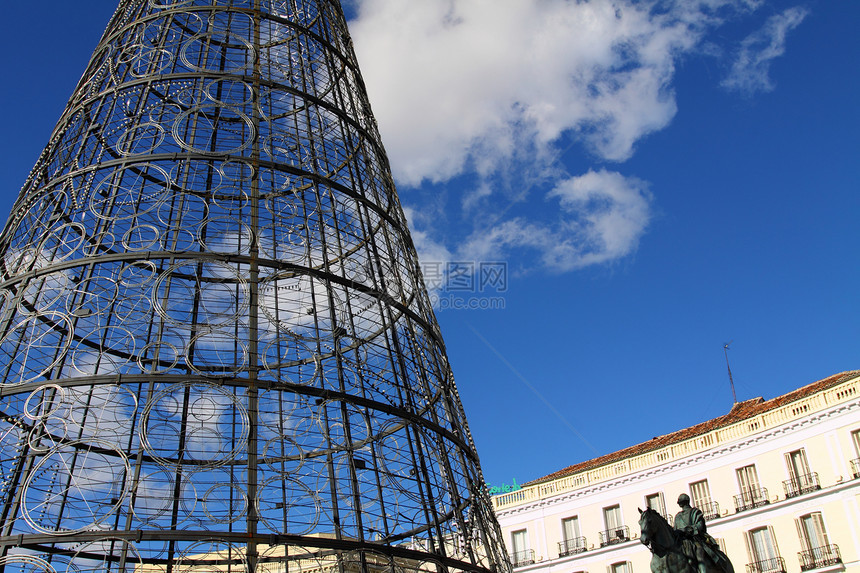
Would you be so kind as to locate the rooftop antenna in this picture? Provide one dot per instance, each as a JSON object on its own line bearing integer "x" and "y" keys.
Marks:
{"x": 732, "y": 382}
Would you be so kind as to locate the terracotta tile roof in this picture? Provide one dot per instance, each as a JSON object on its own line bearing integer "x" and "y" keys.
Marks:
{"x": 740, "y": 411}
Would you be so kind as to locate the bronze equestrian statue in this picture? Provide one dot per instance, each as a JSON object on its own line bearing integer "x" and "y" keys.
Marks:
{"x": 686, "y": 548}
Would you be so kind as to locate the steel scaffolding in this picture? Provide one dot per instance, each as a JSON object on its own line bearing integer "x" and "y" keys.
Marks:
{"x": 217, "y": 350}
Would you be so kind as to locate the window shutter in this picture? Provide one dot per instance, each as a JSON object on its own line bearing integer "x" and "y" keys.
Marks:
{"x": 801, "y": 533}
{"x": 747, "y": 477}
{"x": 774, "y": 545}
{"x": 749, "y": 545}
{"x": 701, "y": 493}
{"x": 818, "y": 522}
{"x": 804, "y": 462}
{"x": 789, "y": 463}
{"x": 761, "y": 544}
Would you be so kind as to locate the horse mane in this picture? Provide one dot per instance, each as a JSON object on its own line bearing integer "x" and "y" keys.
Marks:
{"x": 657, "y": 515}
{"x": 659, "y": 522}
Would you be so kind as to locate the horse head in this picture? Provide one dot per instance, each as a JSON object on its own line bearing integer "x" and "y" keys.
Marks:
{"x": 646, "y": 531}
{"x": 655, "y": 532}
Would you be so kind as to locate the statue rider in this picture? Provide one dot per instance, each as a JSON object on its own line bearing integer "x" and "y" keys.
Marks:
{"x": 692, "y": 532}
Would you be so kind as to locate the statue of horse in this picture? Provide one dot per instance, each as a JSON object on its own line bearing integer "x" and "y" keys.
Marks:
{"x": 671, "y": 553}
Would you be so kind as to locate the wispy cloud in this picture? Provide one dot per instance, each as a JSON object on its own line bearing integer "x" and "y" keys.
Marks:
{"x": 607, "y": 213}
{"x": 599, "y": 216}
{"x": 750, "y": 72}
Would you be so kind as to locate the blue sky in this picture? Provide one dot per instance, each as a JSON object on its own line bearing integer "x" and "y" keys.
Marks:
{"x": 658, "y": 179}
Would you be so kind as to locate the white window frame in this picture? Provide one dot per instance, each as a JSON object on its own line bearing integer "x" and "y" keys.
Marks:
{"x": 762, "y": 548}
{"x": 748, "y": 484}
{"x": 815, "y": 522}
{"x": 697, "y": 488}
{"x": 612, "y": 518}
{"x": 798, "y": 465}
{"x": 566, "y": 533}
{"x": 522, "y": 534}
{"x": 747, "y": 477}
{"x": 661, "y": 503}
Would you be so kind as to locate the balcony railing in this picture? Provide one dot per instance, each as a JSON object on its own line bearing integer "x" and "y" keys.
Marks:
{"x": 855, "y": 467}
{"x": 710, "y": 509}
{"x": 801, "y": 484}
{"x": 524, "y": 557}
{"x": 774, "y": 565}
{"x": 615, "y": 535}
{"x": 572, "y": 546}
{"x": 751, "y": 498}
{"x": 819, "y": 557}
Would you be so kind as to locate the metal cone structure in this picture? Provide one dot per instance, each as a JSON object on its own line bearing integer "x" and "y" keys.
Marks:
{"x": 217, "y": 351}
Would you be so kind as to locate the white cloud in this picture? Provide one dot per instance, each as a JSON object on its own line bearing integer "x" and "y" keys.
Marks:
{"x": 464, "y": 84}
{"x": 609, "y": 212}
{"x": 602, "y": 216}
{"x": 490, "y": 88}
{"x": 750, "y": 71}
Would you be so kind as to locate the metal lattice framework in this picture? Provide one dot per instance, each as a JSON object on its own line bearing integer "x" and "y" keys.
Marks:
{"x": 217, "y": 351}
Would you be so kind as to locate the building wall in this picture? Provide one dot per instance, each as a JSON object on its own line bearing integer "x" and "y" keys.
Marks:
{"x": 820, "y": 424}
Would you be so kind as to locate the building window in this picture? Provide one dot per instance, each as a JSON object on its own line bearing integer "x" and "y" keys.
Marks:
{"x": 797, "y": 464}
{"x": 700, "y": 494}
{"x": 622, "y": 567}
{"x": 855, "y": 463}
{"x": 764, "y": 556}
{"x": 572, "y": 541}
{"x": 612, "y": 517}
{"x": 751, "y": 495}
{"x": 522, "y": 555}
{"x": 616, "y": 531}
{"x": 817, "y": 550}
{"x": 519, "y": 540}
{"x": 656, "y": 502}
{"x": 747, "y": 477}
{"x": 800, "y": 479}
{"x": 570, "y": 527}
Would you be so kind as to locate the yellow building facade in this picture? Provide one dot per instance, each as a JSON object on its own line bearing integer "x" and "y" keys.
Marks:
{"x": 778, "y": 481}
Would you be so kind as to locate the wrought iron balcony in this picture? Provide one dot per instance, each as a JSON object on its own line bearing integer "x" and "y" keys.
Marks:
{"x": 775, "y": 565}
{"x": 751, "y": 498}
{"x": 801, "y": 484}
{"x": 572, "y": 546}
{"x": 615, "y": 535}
{"x": 819, "y": 557}
{"x": 855, "y": 467}
{"x": 710, "y": 509}
{"x": 524, "y": 557}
